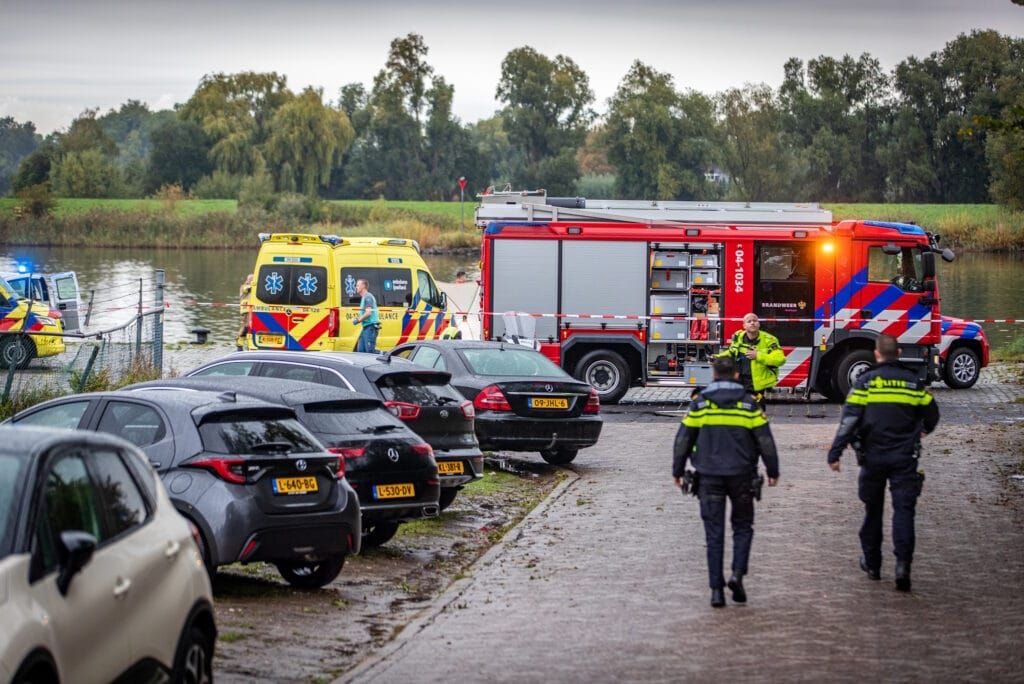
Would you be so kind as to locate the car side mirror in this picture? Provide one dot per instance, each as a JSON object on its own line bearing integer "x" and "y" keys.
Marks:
{"x": 928, "y": 265}
{"x": 948, "y": 256}
{"x": 444, "y": 301}
{"x": 75, "y": 550}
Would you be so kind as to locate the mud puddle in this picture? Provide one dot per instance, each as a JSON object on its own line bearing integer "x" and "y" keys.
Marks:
{"x": 271, "y": 632}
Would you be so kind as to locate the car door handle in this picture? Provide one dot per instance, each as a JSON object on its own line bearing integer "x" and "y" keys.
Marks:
{"x": 122, "y": 586}
{"x": 172, "y": 549}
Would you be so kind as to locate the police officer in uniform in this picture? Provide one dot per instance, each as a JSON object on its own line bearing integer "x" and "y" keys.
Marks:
{"x": 729, "y": 432}
{"x": 758, "y": 356}
{"x": 886, "y": 412}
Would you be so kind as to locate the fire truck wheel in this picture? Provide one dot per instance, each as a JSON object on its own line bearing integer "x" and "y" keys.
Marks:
{"x": 605, "y": 371}
{"x": 962, "y": 368}
{"x": 850, "y": 368}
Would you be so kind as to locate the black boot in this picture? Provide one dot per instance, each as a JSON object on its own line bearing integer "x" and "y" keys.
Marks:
{"x": 717, "y": 598}
{"x": 873, "y": 573}
{"x": 739, "y": 595}
{"x": 903, "y": 575}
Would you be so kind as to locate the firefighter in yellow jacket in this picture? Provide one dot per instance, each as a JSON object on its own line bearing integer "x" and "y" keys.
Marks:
{"x": 758, "y": 355}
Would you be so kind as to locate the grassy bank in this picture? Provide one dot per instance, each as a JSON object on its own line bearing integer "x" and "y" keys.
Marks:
{"x": 436, "y": 225}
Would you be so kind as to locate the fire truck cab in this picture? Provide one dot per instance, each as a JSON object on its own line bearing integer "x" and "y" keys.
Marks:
{"x": 628, "y": 293}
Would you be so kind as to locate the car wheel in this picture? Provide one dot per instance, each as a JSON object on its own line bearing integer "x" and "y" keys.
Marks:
{"x": 962, "y": 368}
{"x": 605, "y": 371}
{"x": 560, "y": 456}
{"x": 447, "y": 496}
{"x": 303, "y": 575}
{"x": 850, "y": 368}
{"x": 378, "y": 534}
{"x": 17, "y": 351}
{"x": 193, "y": 663}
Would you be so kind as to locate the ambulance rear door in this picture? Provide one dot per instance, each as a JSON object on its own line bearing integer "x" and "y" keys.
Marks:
{"x": 64, "y": 295}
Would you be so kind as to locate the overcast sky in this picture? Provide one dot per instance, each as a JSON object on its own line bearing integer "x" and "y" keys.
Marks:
{"x": 58, "y": 58}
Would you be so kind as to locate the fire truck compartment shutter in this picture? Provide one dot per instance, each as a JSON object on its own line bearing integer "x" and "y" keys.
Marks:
{"x": 604, "y": 278}
{"x": 525, "y": 276}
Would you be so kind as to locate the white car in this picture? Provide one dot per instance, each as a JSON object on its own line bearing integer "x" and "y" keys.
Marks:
{"x": 100, "y": 577}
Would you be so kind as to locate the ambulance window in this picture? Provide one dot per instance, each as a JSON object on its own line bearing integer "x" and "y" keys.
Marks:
{"x": 272, "y": 284}
{"x": 902, "y": 270}
{"x": 308, "y": 285}
{"x": 390, "y": 286}
{"x": 427, "y": 289}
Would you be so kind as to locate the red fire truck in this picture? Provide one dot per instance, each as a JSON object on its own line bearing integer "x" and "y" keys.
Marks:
{"x": 629, "y": 293}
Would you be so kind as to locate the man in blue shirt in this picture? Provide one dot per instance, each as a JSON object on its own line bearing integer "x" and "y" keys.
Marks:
{"x": 368, "y": 317}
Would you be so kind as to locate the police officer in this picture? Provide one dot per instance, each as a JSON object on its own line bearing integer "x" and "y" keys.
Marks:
{"x": 886, "y": 412}
{"x": 758, "y": 355}
{"x": 729, "y": 432}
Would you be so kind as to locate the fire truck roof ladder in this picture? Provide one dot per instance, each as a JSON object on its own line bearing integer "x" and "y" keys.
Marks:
{"x": 537, "y": 206}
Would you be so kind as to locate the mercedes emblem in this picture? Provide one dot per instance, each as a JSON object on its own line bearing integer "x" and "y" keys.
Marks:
{"x": 393, "y": 454}
{"x": 549, "y": 388}
{"x": 300, "y": 465}
{"x": 444, "y": 413}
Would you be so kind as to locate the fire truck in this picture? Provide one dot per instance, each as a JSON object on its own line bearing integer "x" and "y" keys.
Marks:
{"x": 627, "y": 293}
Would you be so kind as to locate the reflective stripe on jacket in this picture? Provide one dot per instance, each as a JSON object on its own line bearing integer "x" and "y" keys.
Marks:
{"x": 886, "y": 411}
{"x": 724, "y": 433}
{"x": 763, "y": 372}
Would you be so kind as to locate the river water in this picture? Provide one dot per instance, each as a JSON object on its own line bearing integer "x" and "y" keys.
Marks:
{"x": 202, "y": 286}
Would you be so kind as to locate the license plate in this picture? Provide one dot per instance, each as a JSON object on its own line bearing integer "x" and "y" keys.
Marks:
{"x": 394, "y": 491}
{"x": 450, "y": 467}
{"x": 295, "y": 485}
{"x": 270, "y": 340}
{"x": 548, "y": 403}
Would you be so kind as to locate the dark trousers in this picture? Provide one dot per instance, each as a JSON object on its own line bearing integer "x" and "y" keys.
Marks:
{"x": 714, "y": 489}
{"x": 905, "y": 485}
{"x": 367, "y": 341}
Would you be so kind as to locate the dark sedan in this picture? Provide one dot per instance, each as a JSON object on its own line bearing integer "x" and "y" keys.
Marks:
{"x": 254, "y": 481}
{"x": 523, "y": 401}
{"x": 422, "y": 398}
{"x": 390, "y": 466}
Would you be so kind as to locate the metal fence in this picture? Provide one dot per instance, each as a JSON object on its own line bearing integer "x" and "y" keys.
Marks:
{"x": 94, "y": 359}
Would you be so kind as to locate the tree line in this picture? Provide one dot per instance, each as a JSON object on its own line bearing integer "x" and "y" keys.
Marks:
{"x": 946, "y": 128}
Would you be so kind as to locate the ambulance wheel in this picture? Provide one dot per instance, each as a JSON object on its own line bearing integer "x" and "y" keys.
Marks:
{"x": 606, "y": 372}
{"x": 850, "y": 368}
{"x": 962, "y": 368}
{"x": 16, "y": 351}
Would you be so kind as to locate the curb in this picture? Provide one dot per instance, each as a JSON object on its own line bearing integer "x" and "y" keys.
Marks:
{"x": 456, "y": 589}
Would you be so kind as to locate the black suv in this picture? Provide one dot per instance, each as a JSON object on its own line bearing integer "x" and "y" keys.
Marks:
{"x": 254, "y": 481}
{"x": 421, "y": 397}
{"x": 391, "y": 468}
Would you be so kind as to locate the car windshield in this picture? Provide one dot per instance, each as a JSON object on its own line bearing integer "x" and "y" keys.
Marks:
{"x": 425, "y": 390}
{"x": 506, "y": 361}
{"x": 7, "y": 291}
{"x": 11, "y": 467}
{"x": 247, "y": 434}
{"x": 338, "y": 419}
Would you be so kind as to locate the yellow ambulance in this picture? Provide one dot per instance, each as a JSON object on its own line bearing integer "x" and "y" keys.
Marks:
{"x": 15, "y": 317}
{"x": 304, "y": 293}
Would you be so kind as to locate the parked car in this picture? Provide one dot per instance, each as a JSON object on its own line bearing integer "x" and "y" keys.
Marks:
{"x": 255, "y": 482}
{"x": 420, "y": 397}
{"x": 523, "y": 401}
{"x": 100, "y": 578}
{"x": 391, "y": 468}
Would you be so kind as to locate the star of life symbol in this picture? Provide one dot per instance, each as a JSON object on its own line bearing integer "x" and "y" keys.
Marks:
{"x": 350, "y": 285}
{"x": 307, "y": 284}
{"x": 274, "y": 283}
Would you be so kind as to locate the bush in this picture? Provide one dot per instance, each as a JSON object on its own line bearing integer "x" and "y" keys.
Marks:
{"x": 169, "y": 195}
{"x": 36, "y": 201}
{"x": 218, "y": 185}
{"x": 295, "y": 208}
{"x": 596, "y": 186}
{"x": 257, "y": 191}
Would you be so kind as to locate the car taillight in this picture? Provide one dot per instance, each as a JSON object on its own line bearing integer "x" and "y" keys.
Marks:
{"x": 345, "y": 453}
{"x": 593, "y": 402}
{"x": 422, "y": 449}
{"x": 491, "y": 398}
{"x": 403, "y": 409}
{"x": 228, "y": 469}
{"x": 332, "y": 322}
{"x": 467, "y": 409}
